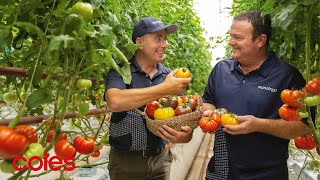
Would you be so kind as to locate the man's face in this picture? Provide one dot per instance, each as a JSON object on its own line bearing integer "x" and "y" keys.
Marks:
{"x": 153, "y": 45}
{"x": 243, "y": 46}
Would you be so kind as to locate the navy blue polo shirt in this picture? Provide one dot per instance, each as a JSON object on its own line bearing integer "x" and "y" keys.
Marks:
{"x": 128, "y": 131}
{"x": 256, "y": 93}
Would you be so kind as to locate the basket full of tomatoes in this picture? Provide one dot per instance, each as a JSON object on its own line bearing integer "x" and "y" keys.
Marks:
{"x": 173, "y": 111}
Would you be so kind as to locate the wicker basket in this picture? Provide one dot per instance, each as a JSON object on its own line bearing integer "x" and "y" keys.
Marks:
{"x": 190, "y": 119}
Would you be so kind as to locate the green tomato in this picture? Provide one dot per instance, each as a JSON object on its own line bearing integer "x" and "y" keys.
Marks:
{"x": 312, "y": 100}
{"x": 77, "y": 122}
{"x": 84, "y": 84}
{"x": 303, "y": 114}
{"x": 105, "y": 140}
{"x": 10, "y": 97}
{"x": 35, "y": 149}
{"x": 188, "y": 92}
{"x": 6, "y": 167}
{"x": 83, "y": 108}
{"x": 83, "y": 9}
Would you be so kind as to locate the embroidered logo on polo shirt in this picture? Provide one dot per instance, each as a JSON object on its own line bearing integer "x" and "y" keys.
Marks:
{"x": 156, "y": 22}
{"x": 267, "y": 88}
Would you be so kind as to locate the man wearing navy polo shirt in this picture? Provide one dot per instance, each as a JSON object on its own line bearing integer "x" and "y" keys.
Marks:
{"x": 135, "y": 152}
{"x": 249, "y": 85}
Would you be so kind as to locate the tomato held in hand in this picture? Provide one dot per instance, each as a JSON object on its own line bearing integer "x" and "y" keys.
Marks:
{"x": 84, "y": 146}
{"x": 210, "y": 124}
{"x": 229, "y": 119}
{"x": 11, "y": 143}
{"x": 64, "y": 149}
{"x": 84, "y": 9}
{"x": 151, "y": 107}
{"x": 164, "y": 113}
{"x": 292, "y": 97}
{"x": 306, "y": 143}
{"x": 288, "y": 113}
{"x": 313, "y": 86}
{"x": 220, "y": 111}
{"x": 183, "y": 73}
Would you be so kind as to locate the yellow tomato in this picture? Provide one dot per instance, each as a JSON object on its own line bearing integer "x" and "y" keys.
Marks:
{"x": 229, "y": 119}
{"x": 164, "y": 113}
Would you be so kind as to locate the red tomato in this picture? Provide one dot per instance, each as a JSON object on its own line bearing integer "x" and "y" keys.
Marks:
{"x": 11, "y": 143}
{"x": 95, "y": 154}
{"x": 29, "y": 132}
{"x": 293, "y": 97}
{"x": 306, "y": 143}
{"x": 288, "y": 113}
{"x": 151, "y": 107}
{"x": 64, "y": 149}
{"x": 84, "y": 146}
{"x": 208, "y": 124}
{"x": 51, "y": 134}
{"x": 313, "y": 86}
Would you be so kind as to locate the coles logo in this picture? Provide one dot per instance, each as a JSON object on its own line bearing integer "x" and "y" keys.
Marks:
{"x": 54, "y": 163}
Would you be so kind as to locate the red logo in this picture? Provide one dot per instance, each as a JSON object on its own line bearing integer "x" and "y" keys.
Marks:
{"x": 53, "y": 163}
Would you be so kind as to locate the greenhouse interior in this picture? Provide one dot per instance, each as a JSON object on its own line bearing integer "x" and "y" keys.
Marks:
{"x": 160, "y": 89}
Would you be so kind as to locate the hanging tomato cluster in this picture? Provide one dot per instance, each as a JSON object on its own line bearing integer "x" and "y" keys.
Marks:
{"x": 297, "y": 101}
{"x": 170, "y": 106}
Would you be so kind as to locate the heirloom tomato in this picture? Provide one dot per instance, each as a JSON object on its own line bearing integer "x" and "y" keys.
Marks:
{"x": 183, "y": 73}
{"x": 292, "y": 97}
{"x": 52, "y": 133}
{"x": 34, "y": 149}
{"x": 229, "y": 119}
{"x": 220, "y": 111}
{"x": 151, "y": 107}
{"x": 164, "y": 113}
{"x": 64, "y": 149}
{"x": 210, "y": 124}
{"x": 288, "y": 113}
{"x": 11, "y": 143}
{"x": 184, "y": 109}
{"x": 313, "y": 86}
{"x": 307, "y": 142}
{"x": 84, "y": 146}
{"x": 29, "y": 132}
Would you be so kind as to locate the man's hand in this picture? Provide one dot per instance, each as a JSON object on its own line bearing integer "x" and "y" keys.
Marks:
{"x": 173, "y": 85}
{"x": 247, "y": 124}
{"x": 172, "y": 136}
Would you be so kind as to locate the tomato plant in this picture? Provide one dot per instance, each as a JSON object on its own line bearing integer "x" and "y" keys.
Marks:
{"x": 229, "y": 119}
{"x": 313, "y": 86}
{"x": 29, "y": 132}
{"x": 164, "y": 113}
{"x": 84, "y": 146}
{"x": 151, "y": 107}
{"x": 288, "y": 113}
{"x": 183, "y": 73}
{"x": 84, "y": 9}
{"x": 184, "y": 109}
{"x": 64, "y": 149}
{"x": 11, "y": 143}
{"x": 292, "y": 97}
{"x": 305, "y": 142}
{"x": 210, "y": 124}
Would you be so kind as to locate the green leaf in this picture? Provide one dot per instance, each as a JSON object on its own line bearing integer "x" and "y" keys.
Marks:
{"x": 126, "y": 73}
{"x": 56, "y": 41}
{"x": 38, "y": 97}
{"x": 5, "y": 37}
{"x": 268, "y": 6}
{"x": 309, "y": 2}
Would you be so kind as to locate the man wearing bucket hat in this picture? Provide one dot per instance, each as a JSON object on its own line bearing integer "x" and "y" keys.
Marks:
{"x": 135, "y": 152}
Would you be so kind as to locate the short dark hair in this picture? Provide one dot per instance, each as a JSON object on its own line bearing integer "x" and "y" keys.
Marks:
{"x": 261, "y": 25}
